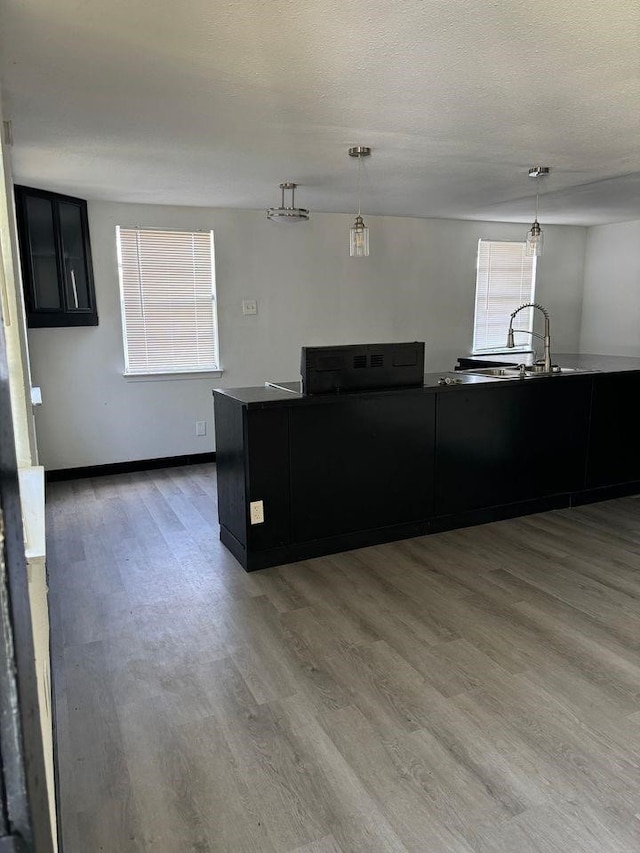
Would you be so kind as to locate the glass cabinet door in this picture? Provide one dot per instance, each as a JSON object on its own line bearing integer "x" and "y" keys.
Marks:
{"x": 73, "y": 252}
{"x": 43, "y": 254}
{"x": 55, "y": 252}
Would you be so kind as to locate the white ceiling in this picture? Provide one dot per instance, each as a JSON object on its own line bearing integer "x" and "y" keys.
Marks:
{"x": 215, "y": 102}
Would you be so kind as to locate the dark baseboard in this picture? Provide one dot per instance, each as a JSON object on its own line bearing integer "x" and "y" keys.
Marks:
{"x": 297, "y": 551}
{"x": 234, "y": 545}
{"x": 470, "y": 518}
{"x": 606, "y": 493}
{"x": 128, "y": 467}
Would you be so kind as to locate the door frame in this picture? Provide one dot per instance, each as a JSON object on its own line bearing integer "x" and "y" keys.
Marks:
{"x": 25, "y": 826}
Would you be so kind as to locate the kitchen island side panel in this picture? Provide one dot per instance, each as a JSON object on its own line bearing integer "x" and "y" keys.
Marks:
{"x": 361, "y": 463}
{"x": 231, "y": 466}
{"x": 267, "y": 434}
{"x": 614, "y": 445}
{"x": 510, "y": 443}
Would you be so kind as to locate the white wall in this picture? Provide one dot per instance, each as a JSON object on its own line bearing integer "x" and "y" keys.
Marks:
{"x": 611, "y": 304}
{"x": 418, "y": 284}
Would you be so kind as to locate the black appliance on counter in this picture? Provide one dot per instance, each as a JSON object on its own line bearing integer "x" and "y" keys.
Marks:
{"x": 361, "y": 367}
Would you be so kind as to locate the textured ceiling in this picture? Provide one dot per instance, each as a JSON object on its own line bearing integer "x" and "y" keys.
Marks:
{"x": 211, "y": 103}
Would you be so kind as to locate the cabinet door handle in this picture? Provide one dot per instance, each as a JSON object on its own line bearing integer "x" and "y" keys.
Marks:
{"x": 74, "y": 288}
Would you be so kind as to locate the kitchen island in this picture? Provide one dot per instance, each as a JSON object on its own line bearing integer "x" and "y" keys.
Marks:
{"x": 302, "y": 476}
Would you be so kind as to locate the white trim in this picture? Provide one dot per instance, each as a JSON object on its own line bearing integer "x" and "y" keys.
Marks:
{"x": 505, "y": 281}
{"x": 148, "y": 327}
{"x": 163, "y": 377}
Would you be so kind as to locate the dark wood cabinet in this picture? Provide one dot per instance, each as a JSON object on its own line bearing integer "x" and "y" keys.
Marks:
{"x": 252, "y": 455}
{"x": 268, "y": 477}
{"x": 344, "y": 471}
{"x": 324, "y": 473}
{"x": 511, "y": 442}
{"x": 55, "y": 254}
{"x": 614, "y": 449}
{"x": 361, "y": 463}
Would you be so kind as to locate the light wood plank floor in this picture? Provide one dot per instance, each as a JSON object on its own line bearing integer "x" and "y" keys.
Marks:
{"x": 477, "y": 690}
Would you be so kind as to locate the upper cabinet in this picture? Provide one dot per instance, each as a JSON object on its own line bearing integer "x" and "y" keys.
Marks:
{"x": 53, "y": 232}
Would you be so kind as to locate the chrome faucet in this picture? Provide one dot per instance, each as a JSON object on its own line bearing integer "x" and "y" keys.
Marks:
{"x": 546, "y": 338}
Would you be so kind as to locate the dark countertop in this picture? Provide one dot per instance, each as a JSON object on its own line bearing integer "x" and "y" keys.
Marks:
{"x": 586, "y": 361}
{"x": 269, "y": 395}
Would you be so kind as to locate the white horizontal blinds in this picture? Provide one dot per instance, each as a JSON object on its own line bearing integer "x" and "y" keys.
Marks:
{"x": 505, "y": 280}
{"x": 167, "y": 292}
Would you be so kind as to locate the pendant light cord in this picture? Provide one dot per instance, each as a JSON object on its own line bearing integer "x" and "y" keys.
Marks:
{"x": 358, "y": 184}
{"x": 537, "y": 194}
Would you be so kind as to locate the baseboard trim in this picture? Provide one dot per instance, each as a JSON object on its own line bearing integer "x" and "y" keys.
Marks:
{"x": 501, "y": 512}
{"x": 294, "y": 552}
{"x": 128, "y": 467}
{"x": 606, "y": 493}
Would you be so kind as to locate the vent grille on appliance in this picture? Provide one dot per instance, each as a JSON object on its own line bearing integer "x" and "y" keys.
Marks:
{"x": 359, "y": 361}
{"x": 377, "y": 360}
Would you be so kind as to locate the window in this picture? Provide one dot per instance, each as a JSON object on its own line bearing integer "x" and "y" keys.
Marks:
{"x": 167, "y": 295}
{"x": 505, "y": 280}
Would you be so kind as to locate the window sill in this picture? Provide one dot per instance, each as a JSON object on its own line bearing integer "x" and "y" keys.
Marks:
{"x": 165, "y": 377}
{"x": 500, "y": 351}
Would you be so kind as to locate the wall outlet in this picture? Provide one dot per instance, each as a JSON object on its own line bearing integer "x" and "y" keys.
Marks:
{"x": 201, "y": 427}
{"x": 249, "y": 306}
{"x": 256, "y": 512}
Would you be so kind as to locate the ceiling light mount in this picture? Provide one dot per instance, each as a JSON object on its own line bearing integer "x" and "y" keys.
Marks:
{"x": 539, "y": 171}
{"x": 359, "y": 233}
{"x": 535, "y": 236}
{"x": 359, "y": 151}
{"x": 288, "y": 213}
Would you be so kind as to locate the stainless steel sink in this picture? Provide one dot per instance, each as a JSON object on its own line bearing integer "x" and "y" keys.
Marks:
{"x": 530, "y": 371}
{"x": 561, "y": 370}
{"x": 495, "y": 372}
{"x": 506, "y": 372}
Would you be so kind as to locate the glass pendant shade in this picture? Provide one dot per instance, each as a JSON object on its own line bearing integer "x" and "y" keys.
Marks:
{"x": 535, "y": 236}
{"x": 535, "y": 241}
{"x": 359, "y": 233}
{"x": 359, "y": 239}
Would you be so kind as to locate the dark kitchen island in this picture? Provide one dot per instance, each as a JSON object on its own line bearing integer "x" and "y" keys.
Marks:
{"x": 322, "y": 474}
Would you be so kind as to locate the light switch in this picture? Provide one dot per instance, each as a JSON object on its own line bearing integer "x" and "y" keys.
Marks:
{"x": 249, "y": 306}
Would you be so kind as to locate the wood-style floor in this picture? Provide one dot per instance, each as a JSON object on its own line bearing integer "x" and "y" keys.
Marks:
{"x": 477, "y": 690}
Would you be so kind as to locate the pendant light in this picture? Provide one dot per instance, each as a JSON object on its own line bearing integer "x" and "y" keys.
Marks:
{"x": 286, "y": 213}
{"x": 359, "y": 233}
{"x": 535, "y": 236}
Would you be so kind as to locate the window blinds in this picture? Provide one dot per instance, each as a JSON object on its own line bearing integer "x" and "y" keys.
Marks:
{"x": 167, "y": 291}
{"x": 505, "y": 280}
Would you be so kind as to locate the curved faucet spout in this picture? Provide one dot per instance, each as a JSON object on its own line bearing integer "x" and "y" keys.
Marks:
{"x": 546, "y": 337}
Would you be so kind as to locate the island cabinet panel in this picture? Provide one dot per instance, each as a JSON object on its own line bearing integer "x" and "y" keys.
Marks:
{"x": 336, "y": 472}
{"x": 252, "y": 460}
{"x": 614, "y": 445}
{"x": 511, "y": 443}
{"x": 268, "y": 477}
{"x": 361, "y": 463}
{"x": 231, "y": 467}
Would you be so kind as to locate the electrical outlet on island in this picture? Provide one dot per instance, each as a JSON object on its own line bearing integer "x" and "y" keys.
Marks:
{"x": 256, "y": 512}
